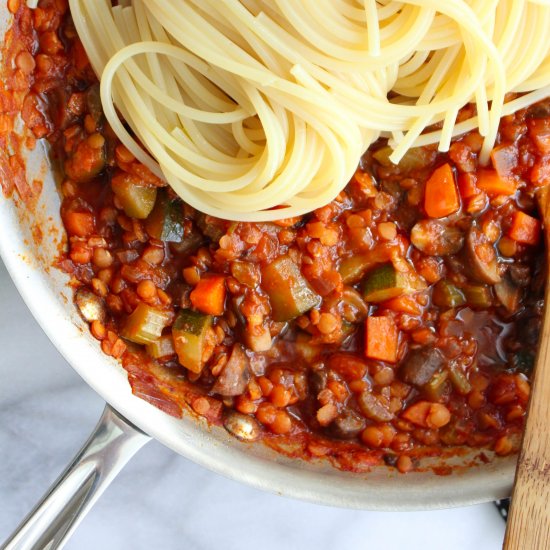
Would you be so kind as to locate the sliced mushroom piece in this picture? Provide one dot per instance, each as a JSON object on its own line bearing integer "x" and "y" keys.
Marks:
{"x": 436, "y": 238}
{"x": 235, "y": 375}
{"x": 373, "y": 408}
{"x": 354, "y": 307}
{"x": 420, "y": 365}
{"x": 481, "y": 257}
{"x": 91, "y": 307}
{"x": 508, "y": 294}
{"x": 318, "y": 381}
{"x": 348, "y": 425}
{"x": 258, "y": 337}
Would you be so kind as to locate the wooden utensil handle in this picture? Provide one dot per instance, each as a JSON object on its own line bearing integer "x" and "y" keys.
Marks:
{"x": 529, "y": 518}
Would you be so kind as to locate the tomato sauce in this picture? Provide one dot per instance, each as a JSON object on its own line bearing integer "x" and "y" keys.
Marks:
{"x": 396, "y": 322}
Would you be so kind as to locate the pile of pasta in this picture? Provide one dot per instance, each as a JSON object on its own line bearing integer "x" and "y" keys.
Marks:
{"x": 256, "y": 110}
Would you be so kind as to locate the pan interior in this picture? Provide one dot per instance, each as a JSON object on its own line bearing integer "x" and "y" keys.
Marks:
{"x": 30, "y": 242}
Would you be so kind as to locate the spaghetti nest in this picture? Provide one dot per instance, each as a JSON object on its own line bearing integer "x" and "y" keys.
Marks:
{"x": 256, "y": 110}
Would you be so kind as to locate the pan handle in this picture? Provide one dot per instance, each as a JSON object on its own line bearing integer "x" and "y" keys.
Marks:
{"x": 111, "y": 445}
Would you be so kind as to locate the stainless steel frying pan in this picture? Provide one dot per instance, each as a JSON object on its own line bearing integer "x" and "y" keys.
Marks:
{"x": 122, "y": 428}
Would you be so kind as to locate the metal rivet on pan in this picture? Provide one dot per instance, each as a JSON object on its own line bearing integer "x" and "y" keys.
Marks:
{"x": 91, "y": 307}
{"x": 242, "y": 426}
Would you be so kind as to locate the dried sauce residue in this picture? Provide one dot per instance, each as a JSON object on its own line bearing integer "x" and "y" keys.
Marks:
{"x": 15, "y": 86}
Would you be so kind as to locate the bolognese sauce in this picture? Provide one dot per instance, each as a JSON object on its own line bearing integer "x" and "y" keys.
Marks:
{"x": 398, "y": 320}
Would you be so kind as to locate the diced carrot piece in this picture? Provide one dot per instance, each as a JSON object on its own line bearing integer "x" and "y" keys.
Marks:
{"x": 405, "y": 304}
{"x": 441, "y": 196}
{"x": 540, "y": 173}
{"x": 209, "y": 295}
{"x": 467, "y": 185}
{"x": 81, "y": 224}
{"x": 489, "y": 181}
{"x": 524, "y": 229}
{"x": 348, "y": 366}
{"x": 381, "y": 339}
{"x": 504, "y": 158}
{"x": 539, "y": 130}
{"x": 423, "y": 336}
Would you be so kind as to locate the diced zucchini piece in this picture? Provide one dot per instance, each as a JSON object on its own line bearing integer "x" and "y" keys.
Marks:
{"x": 191, "y": 339}
{"x": 289, "y": 293}
{"x": 478, "y": 295}
{"x": 145, "y": 324}
{"x": 247, "y": 273}
{"x": 445, "y": 294}
{"x": 354, "y": 267}
{"x": 136, "y": 200}
{"x": 459, "y": 379}
{"x": 437, "y": 386}
{"x": 481, "y": 257}
{"x": 163, "y": 347}
{"x": 166, "y": 221}
{"x": 385, "y": 283}
{"x": 85, "y": 162}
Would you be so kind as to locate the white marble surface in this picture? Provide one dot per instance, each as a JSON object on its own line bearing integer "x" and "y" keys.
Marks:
{"x": 163, "y": 501}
